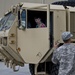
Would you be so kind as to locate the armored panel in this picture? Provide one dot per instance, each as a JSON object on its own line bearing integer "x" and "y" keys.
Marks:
{"x": 72, "y": 23}
{"x": 59, "y": 25}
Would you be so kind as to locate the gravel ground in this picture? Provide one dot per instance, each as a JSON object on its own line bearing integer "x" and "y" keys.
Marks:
{"x": 7, "y": 71}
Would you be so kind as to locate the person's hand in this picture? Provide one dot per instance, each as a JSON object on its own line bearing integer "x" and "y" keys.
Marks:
{"x": 56, "y": 44}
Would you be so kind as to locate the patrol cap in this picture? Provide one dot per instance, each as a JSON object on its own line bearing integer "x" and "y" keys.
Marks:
{"x": 66, "y": 35}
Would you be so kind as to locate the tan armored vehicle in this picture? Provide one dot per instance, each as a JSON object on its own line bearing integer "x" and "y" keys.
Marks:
{"x": 28, "y": 32}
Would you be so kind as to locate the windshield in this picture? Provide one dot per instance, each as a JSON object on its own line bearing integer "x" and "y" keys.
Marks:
{"x": 7, "y": 21}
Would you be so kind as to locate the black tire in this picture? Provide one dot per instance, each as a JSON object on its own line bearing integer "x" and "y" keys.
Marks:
{"x": 54, "y": 69}
{"x": 31, "y": 68}
{"x": 40, "y": 68}
{"x": 51, "y": 68}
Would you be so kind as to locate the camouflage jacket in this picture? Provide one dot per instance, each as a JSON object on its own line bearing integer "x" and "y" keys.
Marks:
{"x": 65, "y": 56}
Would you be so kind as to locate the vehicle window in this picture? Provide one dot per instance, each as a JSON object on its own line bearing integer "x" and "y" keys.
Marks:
{"x": 3, "y": 22}
{"x": 36, "y": 19}
{"x": 7, "y": 21}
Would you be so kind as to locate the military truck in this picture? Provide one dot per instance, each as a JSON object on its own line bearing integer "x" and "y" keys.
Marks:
{"x": 22, "y": 42}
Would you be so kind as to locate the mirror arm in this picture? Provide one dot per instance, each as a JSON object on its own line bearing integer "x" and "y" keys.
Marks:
{"x": 19, "y": 22}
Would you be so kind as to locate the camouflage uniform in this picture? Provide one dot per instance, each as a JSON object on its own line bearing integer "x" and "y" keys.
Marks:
{"x": 65, "y": 56}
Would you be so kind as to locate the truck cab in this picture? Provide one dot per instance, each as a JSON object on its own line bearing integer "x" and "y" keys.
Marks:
{"x": 28, "y": 32}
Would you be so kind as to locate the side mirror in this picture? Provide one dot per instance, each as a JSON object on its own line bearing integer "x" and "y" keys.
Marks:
{"x": 22, "y": 20}
{"x": 23, "y": 25}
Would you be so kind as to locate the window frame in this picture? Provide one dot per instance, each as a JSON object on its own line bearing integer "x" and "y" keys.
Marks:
{"x": 34, "y": 11}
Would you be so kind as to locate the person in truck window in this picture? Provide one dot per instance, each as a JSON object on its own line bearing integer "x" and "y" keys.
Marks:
{"x": 39, "y": 23}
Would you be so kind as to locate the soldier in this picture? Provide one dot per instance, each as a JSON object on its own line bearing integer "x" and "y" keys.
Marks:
{"x": 65, "y": 55}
